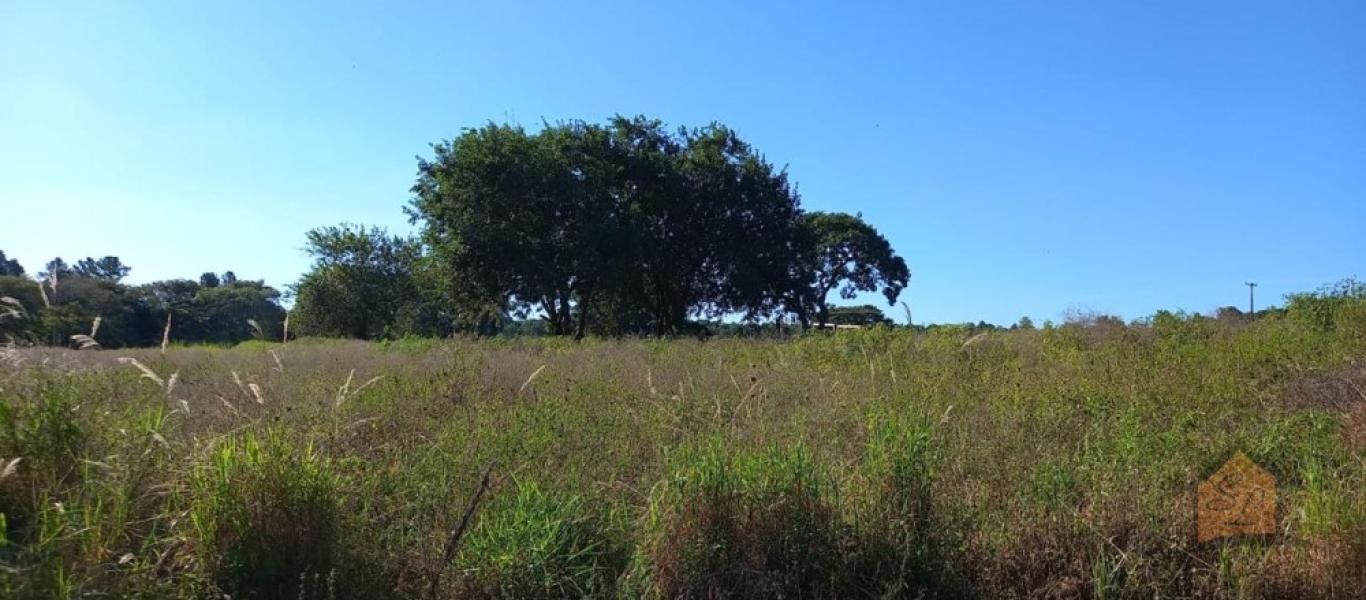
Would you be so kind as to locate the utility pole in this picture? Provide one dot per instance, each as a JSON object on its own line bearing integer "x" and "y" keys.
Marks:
{"x": 1251, "y": 307}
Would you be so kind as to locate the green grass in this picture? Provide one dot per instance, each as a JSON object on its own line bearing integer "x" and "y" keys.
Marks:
{"x": 531, "y": 543}
{"x": 1058, "y": 462}
{"x": 264, "y": 515}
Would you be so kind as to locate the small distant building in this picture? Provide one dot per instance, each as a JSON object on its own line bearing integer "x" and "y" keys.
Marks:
{"x": 840, "y": 326}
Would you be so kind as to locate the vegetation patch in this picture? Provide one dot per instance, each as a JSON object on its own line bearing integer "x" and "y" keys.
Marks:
{"x": 532, "y": 543}
{"x": 1057, "y": 461}
{"x": 265, "y": 515}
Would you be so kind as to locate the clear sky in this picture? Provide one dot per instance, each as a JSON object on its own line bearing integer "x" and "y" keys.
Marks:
{"x": 1023, "y": 157}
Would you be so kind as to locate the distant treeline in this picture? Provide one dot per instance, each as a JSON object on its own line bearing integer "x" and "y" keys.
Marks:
{"x": 59, "y": 306}
{"x": 62, "y": 304}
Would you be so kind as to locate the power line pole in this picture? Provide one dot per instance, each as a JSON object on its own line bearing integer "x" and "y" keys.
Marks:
{"x": 1251, "y": 307}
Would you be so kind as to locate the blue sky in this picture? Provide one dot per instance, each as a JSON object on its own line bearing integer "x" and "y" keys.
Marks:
{"x": 1024, "y": 157}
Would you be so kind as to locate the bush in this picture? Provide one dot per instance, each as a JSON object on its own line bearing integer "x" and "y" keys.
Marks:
{"x": 266, "y": 517}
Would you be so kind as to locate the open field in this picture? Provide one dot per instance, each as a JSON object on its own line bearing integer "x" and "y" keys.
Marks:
{"x": 1058, "y": 462}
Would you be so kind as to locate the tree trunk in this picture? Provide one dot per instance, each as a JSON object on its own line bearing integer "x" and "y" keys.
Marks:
{"x": 583, "y": 317}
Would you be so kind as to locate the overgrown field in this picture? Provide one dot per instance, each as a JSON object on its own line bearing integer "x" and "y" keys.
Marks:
{"x": 1058, "y": 462}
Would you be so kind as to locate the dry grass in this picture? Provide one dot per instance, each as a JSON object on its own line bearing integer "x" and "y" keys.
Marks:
{"x": 1045, "y": 463}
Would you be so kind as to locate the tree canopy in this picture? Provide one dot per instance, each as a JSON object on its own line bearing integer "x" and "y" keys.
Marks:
{"x": 851, "y": 257}
{"x": 629, "y": 227}
{"x": 362, "y": 284}
{"x": 864, "y": 315}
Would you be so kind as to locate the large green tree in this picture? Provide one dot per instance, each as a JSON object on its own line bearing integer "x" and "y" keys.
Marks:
{"x": 627, "y": 225}
{"x": 523, "y": 221}
{"x": 362, "y": 283}
{"x": 849, "y": 256}
{"x": 716, "y": 225}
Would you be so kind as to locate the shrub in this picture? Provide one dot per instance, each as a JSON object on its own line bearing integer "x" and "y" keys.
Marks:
{"x": 266, "y": 516}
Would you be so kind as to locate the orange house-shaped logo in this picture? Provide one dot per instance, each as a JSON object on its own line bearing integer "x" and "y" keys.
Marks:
{"x": 1239, "y": 499}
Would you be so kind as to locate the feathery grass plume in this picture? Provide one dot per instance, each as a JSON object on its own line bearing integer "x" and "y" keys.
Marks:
{"x": 103, "y": 466}
{"x": 530, "y": 379}
{"x": 256, "y": 329}
{"x": 907, "y": 308}
{"x": 973, "y": 340}
{"x": 341, "y": 391}
{"x": 240, "y": 386}
{"x": 170, "y": 383}
{"x": 43, "y": 292}
{"x": 229, "y": 406}
{"x": 345, "y": 390}
{"x": 256, "y": 393}
{"x": 11, "y": 467}
{"x": 362, "y": 386}
{"x": 284, "y": 338}
{"x": 146, "y": 372}
{"x": 84, "y": 342}
{"x": 166, "y": 333}
{"x": 279, "y": 364}
{"x": 11, "y": 308}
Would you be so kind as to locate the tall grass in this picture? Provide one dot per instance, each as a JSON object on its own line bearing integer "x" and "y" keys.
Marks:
{"x": 760, "y": 524}
{"x": 1057, "y": 462}
{"x": 532, "y": 543}
{"x": 265, "y": 516}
